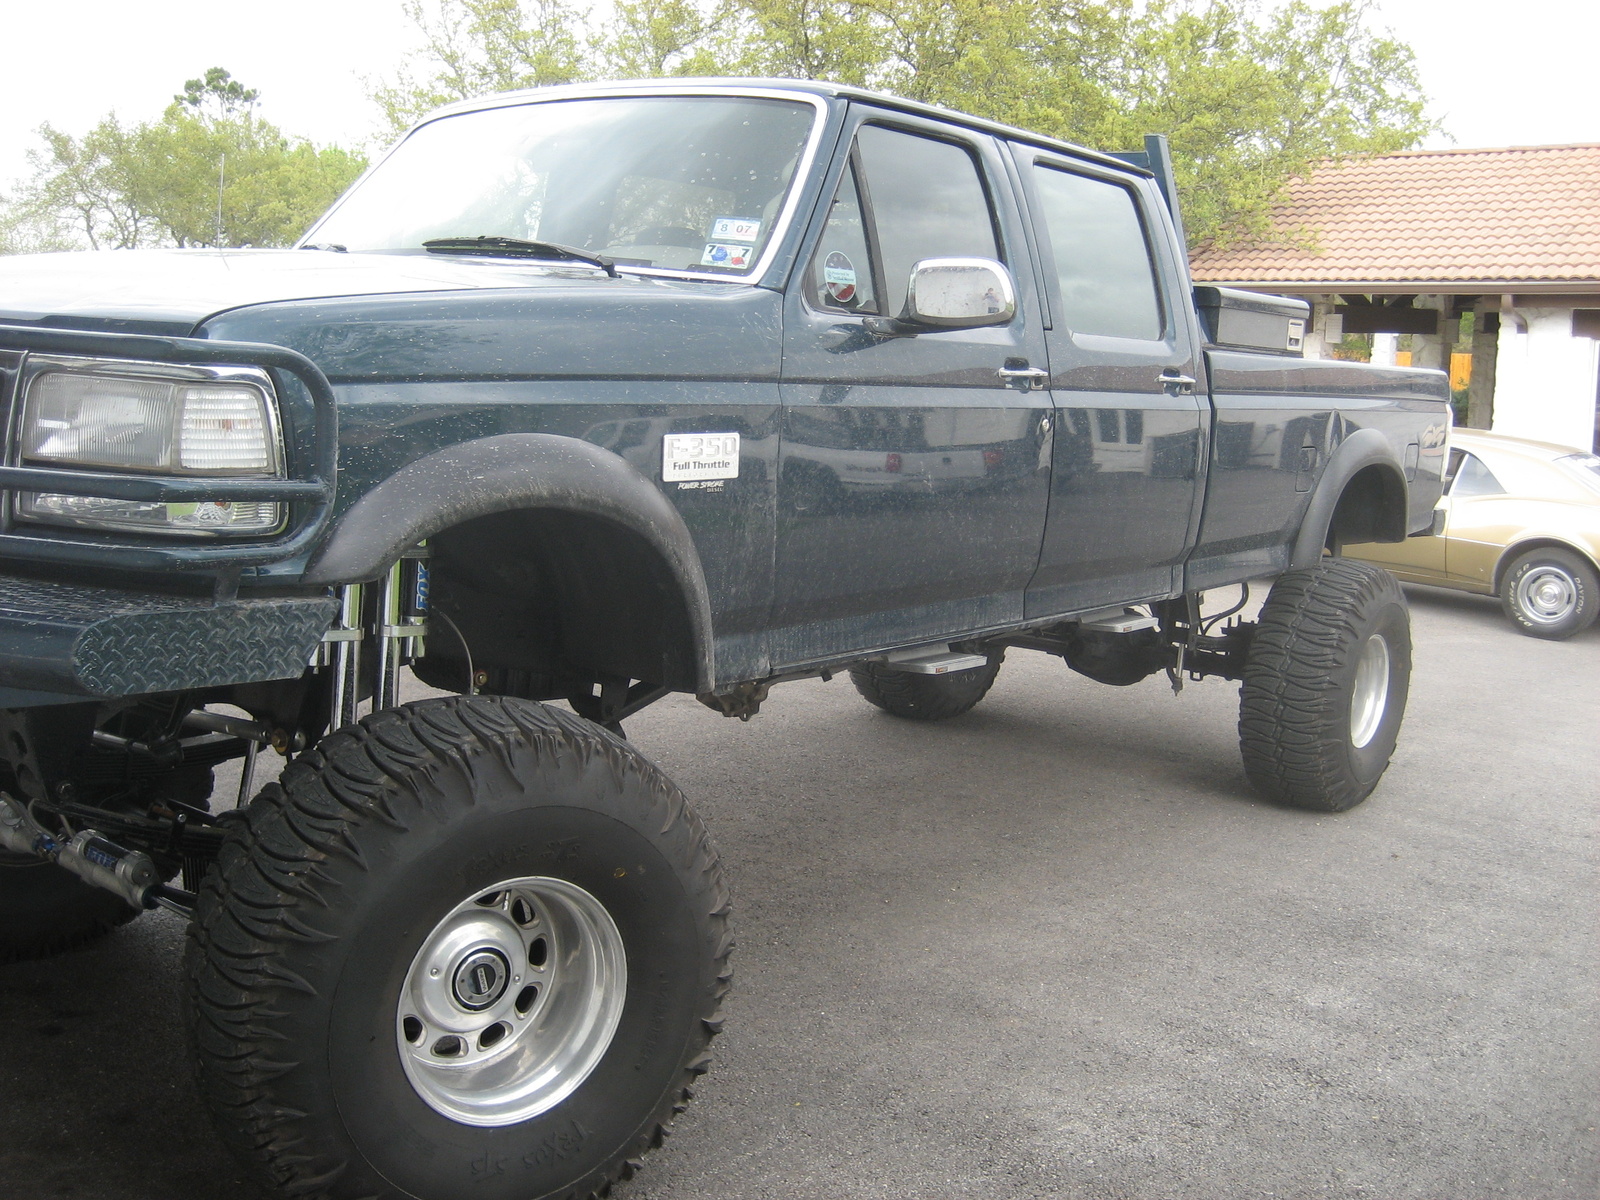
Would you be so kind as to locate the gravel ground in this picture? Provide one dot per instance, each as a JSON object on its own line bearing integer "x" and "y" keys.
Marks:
{"x": 1051, "y": 948}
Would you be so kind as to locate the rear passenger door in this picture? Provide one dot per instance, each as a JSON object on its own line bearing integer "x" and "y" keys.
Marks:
{"x": 1125, "y": 488}
{"x": 913, "y": 477}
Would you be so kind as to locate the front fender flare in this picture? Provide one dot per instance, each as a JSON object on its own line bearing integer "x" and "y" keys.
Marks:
{"x": 499, "y": 474}
{"x": 1362, "y": 449}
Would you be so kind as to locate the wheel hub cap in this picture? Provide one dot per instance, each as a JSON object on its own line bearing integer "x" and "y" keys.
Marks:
{"x": 1369, "y": 698}
{"x": 481, "y": 980}
{"x": 1547, "y": 594}
{"x": 511, "y": 1001}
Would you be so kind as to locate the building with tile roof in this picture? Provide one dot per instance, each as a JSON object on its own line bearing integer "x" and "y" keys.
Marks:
{"x": 1396, "y": 243}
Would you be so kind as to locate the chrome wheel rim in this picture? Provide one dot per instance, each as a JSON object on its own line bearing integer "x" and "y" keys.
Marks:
{"x": 512, "y": 1000}
{"x": 1546, "y": 595}
{"x": 1370, "y": 696}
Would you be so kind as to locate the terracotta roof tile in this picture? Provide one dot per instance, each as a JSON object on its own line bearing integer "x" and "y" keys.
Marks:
{"x": 1521, "y": 214}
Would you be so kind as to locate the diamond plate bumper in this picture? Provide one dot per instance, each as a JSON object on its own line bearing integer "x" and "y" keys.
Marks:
{"x": 60, "y": 642}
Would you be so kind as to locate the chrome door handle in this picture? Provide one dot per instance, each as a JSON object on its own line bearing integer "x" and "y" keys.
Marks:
{"x": 1032, "y": 379}
{"x": 1184, "y": 383}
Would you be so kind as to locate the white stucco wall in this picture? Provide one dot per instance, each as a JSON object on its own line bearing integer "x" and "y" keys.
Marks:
{"x": 1545, "y": 379}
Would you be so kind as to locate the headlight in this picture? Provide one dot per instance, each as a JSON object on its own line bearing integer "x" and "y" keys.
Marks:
{"x": 149, "y": 419}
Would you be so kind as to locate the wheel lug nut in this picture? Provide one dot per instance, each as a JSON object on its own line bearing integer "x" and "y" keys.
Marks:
{"x": 434, "y": 972}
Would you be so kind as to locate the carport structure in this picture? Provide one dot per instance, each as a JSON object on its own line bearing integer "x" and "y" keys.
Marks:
{"x": 1398, "y": 243}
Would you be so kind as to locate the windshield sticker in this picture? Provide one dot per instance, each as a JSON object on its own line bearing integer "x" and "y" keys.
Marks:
{"x": 839, "y": 278}
{"x": 719, "y": 254}
{"x": 699, "y": 456}
{"x": 735, "y": 229}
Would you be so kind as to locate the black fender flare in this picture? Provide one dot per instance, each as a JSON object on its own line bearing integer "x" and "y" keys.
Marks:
{"x": 502, "y": 473}
{"x": 1362, "y": 449}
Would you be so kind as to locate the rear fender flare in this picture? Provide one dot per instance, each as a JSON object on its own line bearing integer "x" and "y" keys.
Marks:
{"x": 1362, "y": 449}
{"x": 504, "y": 473}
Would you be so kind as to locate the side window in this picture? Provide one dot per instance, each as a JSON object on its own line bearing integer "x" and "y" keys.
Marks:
{"x": 1472, "y": 478}
{"x": 926, "y": 200}
{"x": 841, "y": 271}
{"x": 1108, "y": 283}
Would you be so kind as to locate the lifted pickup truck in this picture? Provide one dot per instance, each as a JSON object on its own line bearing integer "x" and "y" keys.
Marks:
{"x": 592, "y": 395}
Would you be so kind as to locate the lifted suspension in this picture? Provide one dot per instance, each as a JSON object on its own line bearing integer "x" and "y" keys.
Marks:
{"x": 94, "y": 858}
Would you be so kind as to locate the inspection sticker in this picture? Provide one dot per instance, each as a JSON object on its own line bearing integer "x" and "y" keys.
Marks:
{"x": 735, "y": 229}
{"x": 699, "y": 456}
{"x": 725, "y": 254}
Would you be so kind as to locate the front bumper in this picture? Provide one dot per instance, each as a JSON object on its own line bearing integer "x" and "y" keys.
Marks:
{"x": 61, "y": 643}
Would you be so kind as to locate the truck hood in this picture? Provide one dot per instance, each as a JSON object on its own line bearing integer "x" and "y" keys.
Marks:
{"x": 172, "y": 292}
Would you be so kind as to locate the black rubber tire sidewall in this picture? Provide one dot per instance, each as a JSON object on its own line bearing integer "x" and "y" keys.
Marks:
{"x": 1295, "y": 698}
{"x": 45, "y": 910}
{"x": 1577, "y": 569}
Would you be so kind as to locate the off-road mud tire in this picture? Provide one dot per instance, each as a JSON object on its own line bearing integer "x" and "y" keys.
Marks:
{"x": 924, "y": 697}
{"x": 313, "y": 918}
{"x": 1313, "y": 656}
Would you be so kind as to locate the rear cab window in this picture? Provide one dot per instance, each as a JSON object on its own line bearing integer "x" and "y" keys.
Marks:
{"x": 1103, "y": 269}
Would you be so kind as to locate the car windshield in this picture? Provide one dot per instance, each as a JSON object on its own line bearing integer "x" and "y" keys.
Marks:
{"x": 688, "y": 183}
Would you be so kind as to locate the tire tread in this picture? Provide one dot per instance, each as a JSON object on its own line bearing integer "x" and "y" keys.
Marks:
{"x": 1291, "y": 716}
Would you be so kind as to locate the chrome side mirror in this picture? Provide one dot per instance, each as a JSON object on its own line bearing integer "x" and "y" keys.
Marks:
{"x": 952, "y": 293}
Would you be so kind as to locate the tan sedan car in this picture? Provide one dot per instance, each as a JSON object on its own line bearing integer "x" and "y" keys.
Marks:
{"x": 1522, "y": 522}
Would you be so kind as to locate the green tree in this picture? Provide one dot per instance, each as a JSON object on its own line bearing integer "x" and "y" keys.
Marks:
{"x": 651, "y": 38}
{"x": 1251, "y": 101}
{"x": 232, "y": 179}
{"x": 210, "y": 172}
{"x": 1250, "y": 95}
{"x": 475, "y": 47}
{"x": 217, "y": 94}
{"x": 80, "y": 191}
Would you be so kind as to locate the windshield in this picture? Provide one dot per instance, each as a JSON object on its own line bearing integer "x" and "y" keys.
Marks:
{"x": 692, "y": 183}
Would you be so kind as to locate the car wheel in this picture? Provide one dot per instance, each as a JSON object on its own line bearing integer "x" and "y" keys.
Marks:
{"x": 1325, "y": 684}
{"x": 924, "y": 697}
{"x": 1550, "y": 593}
{"x": 470, "y": 946}
{"x": 45, "y": 910}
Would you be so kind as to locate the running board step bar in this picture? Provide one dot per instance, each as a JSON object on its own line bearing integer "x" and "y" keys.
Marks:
{"x": 934, "y": 660}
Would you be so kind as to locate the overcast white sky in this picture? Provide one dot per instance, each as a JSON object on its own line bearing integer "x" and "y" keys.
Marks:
{"x": 1499, "y": 73}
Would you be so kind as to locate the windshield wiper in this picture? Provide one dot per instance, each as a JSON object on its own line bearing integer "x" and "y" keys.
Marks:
{"x": 517, "y": 248}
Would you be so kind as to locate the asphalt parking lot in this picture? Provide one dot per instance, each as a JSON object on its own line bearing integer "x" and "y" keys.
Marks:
{"x": 1051, "y": 948}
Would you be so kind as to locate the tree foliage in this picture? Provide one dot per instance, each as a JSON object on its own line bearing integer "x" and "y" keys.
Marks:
{"x": 475, "y": 47}
{"x": 210, "y": 172}
{"x": 1250, "y": 95}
